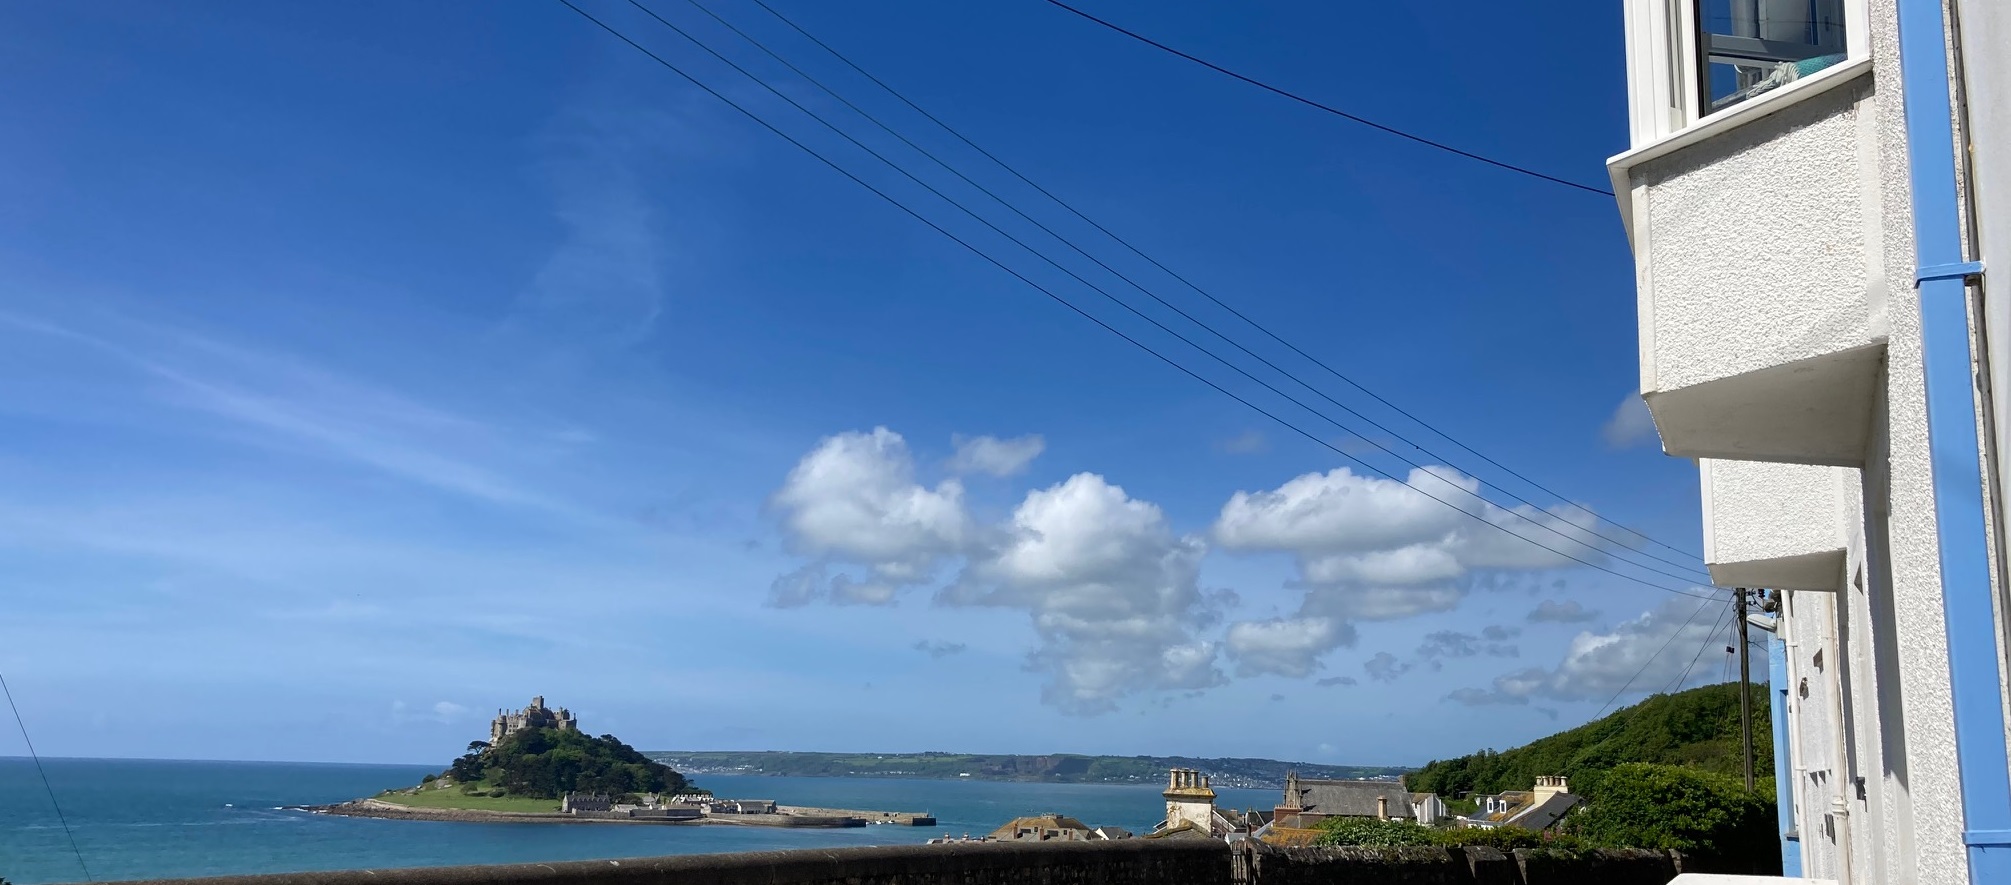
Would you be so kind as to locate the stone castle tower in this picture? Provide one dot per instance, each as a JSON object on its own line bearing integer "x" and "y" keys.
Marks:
{"x": 1189, "y": 799}
{"x": 537, "y": 715}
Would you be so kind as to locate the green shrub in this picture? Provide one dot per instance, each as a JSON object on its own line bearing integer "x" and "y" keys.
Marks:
{"x": 429, "y": 778}
{"x": 1510, "y": 838}
{"x": 498, "y": 793}
{"x": 1372, "y": 833}
{"x": 1639, "y": 805}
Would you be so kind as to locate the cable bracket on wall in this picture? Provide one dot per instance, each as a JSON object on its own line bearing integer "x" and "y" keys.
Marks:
{"x": 1968, "y": 271}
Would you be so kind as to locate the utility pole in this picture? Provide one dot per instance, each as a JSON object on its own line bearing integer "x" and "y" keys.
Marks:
{"x": 1745, "y": 688}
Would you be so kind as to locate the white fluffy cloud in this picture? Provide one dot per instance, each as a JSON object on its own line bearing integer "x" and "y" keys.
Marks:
{"x": 1114, "y": 594}
{"x": 1284, "y": 646}
{"x": 1112, "y": 591}
{"x": 854, "y": 498}
{"x": 998, "y": 457}
{"x": 1630, "y": 425}
{"x": 1369, "y": 548}
{"x": 1653, "y": 650}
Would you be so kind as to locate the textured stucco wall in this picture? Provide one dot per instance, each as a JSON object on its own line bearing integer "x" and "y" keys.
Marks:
{"x": 1754, "y": 246}
{"x": 1758, "y": 512}
{"x": 1937, "y": 853}
{"x": 1787, "y": 239}
{"x": 1808, "y": 620}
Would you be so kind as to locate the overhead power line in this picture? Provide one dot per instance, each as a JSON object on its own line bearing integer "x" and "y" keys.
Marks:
{"x": 1658, "y": 653}
{"x": 1694, "y": 574}
{"x": 1330, "y": 108}
{"x": 1218, "y": 302}
{"x": 667, "y": 64}
{"x": 1723, "y": 621}
{"x": 37, "y": 758}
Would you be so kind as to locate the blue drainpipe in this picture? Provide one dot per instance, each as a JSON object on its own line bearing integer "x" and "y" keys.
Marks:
{"x": 1942, "y": 280}
{"x": 1784, "y": 775}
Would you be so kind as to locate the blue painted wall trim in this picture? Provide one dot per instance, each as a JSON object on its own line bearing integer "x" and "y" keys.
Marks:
{"x": 1784, "y": 774}
{"x": 1966, "y": 589}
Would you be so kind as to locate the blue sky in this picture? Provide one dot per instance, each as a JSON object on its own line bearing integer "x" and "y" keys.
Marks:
{"x": 367, "y": 367}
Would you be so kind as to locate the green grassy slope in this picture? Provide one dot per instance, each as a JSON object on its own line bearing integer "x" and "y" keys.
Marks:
{"x": 1698, "y": 728}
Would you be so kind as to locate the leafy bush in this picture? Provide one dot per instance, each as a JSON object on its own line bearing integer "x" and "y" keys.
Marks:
{"x": 1373, "y": 833}
{"x": 429, "y": 778}
{"x": 1510, "y": 838}
{"x": 1639, "y": 805}
{"x": 498, "y": 793}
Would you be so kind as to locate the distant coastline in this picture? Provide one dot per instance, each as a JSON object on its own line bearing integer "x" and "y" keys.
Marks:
{"x": 784, "y": 816}
{"x": 378, "y": 808}
{"x": 1059, "y": 768}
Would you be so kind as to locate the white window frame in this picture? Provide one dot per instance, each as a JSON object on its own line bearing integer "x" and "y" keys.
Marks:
{"x": 1662, "y": 69}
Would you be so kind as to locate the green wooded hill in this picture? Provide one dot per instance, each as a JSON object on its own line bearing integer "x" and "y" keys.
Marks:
{"x": 1698, "y": 728}
{"x": 545, "y": 763}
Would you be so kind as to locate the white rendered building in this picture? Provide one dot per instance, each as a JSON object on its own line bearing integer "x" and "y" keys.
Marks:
{"x": 1818, "y": 198}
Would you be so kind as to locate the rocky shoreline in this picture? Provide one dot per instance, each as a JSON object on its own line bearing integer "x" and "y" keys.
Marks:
{"x": 378, "y": 808}
{"x": 815, "y": 818}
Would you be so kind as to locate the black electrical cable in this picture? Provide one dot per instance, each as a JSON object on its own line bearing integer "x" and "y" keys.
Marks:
{"x": 37, "y": 757}
{"x": 890, "y": 90}
{"x": 1085, "y": 314}
{"x": 1658, "y": 653}
{"x": 1329, "y": 108}
{"x": 1696, "y": 573}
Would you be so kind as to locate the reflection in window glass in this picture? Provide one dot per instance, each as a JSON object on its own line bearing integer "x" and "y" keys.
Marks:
{"x": 1754, "y": 46}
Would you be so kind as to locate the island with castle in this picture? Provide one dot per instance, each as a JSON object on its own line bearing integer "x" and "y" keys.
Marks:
{"x": 510, "y": 778}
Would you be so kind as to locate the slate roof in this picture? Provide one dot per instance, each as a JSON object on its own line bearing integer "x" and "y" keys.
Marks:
{"x": 1184, "y": 830}
{"x": 1041, "y": 823}
{"x": 1351, "y": 798}
{"x": 1518, "y": 802}
{"x": 1545, "y": 814}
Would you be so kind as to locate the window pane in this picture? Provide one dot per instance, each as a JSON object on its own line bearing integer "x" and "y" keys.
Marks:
{"x": 1752, "y": 46}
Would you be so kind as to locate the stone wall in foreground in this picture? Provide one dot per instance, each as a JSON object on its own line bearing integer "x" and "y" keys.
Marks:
{"x": 1127, "y": 862}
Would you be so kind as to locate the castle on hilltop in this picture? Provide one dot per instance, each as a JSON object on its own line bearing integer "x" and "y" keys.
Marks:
{"x": 537, "y": 715}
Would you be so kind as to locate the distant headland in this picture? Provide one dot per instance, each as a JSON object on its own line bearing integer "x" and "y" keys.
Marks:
{"x": 1062, "y": 768}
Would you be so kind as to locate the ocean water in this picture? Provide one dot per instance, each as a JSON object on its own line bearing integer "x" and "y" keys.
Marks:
{"x": 139, "y": 819}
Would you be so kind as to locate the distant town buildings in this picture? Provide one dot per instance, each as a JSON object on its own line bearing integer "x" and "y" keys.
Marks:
{"x": 1308, "y": 801}
{"x": 1191, "y": 812}
{"x": 574, "y": 803}
{"x": 1044, "y": 828}
{"x": 537, "y": 715}
{"x": 1537, "y": 809}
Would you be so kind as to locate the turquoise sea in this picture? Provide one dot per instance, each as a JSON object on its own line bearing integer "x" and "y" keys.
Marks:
{"x": 139, "y": 819}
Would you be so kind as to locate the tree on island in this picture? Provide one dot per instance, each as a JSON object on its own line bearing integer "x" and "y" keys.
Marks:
{"x": 546, "y": 763}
